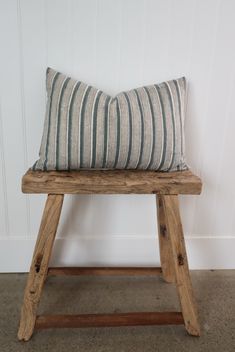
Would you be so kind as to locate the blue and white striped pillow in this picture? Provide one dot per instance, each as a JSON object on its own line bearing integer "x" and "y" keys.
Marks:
{"x": 87, "y": 129}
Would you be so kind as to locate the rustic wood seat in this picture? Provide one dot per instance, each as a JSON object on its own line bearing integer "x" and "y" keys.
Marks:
{"x": 174, "y": 264}
{"x": 111, "y": 182}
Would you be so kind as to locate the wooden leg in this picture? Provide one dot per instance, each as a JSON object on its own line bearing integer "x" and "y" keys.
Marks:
{"x": 183, "y": 281}
{"x": 167, "y": 264}
{"x": 39, "y": 265}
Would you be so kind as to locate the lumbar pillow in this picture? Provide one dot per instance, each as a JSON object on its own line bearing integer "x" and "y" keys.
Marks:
{"x": 87, "y": 129}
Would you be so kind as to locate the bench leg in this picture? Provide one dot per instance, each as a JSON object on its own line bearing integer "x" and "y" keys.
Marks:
{"x": 167, "y": 264}
{"x": 39, "y": 265}
{"x": 183, "y": 281}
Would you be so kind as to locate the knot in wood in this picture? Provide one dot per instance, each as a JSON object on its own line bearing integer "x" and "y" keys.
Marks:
{"x": 180, "y": 259}
{"x": 38, "y": 263}
{"x": 163, "y": 230}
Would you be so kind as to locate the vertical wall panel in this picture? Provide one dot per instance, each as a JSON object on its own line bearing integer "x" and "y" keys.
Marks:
{"x": 225, "y": 192}
{"x": 219, "y": 151}
{"x": 108, "y": 44}
{"x": 83, "y": 52}
{"x": 4, "y": 221}
{"x": 157, "y": 36}
{"x": 13, "y": 123}
{"x": 182, "y": 19}
{"x": 58, "y": 40}
{"x": 132, "y": 44}
{"x": 217, "y": 116}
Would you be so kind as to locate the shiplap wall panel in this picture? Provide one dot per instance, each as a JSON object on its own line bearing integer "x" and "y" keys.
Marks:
{"x": 226, "y": 59}
{"x": 83, "y": 52}
{"x": 180, "y": 43}
{"x": 58, "y": 40}
{"x": 108, "y": 40}
{"x": 131, "y": 44}
{"x": 224, "y": 192}
{"x": 118, "y": 45}
{"x": 156, "y": 47}
{"x": 216, "y": 124}
{"x": 3, "y": 197}
{"x": 13, "y": 119}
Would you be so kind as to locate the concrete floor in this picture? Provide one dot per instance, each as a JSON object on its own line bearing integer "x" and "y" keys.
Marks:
{"x": 215, "y": 292}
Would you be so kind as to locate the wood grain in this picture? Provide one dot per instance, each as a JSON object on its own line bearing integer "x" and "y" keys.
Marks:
{"x": 111, "y": 182}
{"x": 39, "y": 265}
{"x": 100, "y": 271}
{"x": 166, "y": 256}
{"x": 116, "y": 319}
{"x": 183, "y": 281}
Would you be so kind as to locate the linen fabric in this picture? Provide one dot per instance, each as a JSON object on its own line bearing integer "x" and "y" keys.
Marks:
{"x": 85, "y": 128}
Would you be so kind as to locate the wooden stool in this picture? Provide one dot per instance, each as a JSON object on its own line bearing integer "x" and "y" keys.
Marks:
{"x": 174, "y": 264}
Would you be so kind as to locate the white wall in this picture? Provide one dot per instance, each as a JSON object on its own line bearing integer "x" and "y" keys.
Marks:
{"x": 117, "y": 45}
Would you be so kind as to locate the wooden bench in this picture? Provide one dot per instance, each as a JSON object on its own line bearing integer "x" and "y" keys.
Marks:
{"x": 174, "y": 264}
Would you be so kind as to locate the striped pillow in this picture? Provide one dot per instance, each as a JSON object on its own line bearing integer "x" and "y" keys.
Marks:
{"x": 88, "y": 129}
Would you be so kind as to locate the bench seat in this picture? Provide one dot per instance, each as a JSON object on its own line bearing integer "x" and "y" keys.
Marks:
{"x": 111, "y": 182}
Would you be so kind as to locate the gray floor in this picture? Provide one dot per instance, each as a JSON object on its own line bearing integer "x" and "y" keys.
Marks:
{"x": 215, "y": 292}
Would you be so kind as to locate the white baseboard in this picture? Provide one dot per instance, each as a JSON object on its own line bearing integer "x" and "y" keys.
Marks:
{"x": 204, "y": 252}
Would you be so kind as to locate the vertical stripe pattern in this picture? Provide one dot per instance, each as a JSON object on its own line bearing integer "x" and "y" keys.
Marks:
{"x": 82, "y": 123}
{"x": 47, "y": 128}
{"x": 59, "y": 122}
{"x": 105, "y": 134}
{"x": 117, "y": 135}
{"x": 169, "y": 93}
{"x": 70, "y": 121}
{"x": 86, "y": 128}
{"x": 130, "y": 130}
{"x": 163, "y": 118}
{"x": 141, "y": 144}
{"x": 153, "y": 129}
